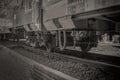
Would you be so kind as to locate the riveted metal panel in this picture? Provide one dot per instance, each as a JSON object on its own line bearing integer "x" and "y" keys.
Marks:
{"x": 79, "y": 6}
{"x": 26, "y": 27}
{"x": 54, "y": 9}
{"x": 49, "y": 25}
{"x": 67, "y": 22}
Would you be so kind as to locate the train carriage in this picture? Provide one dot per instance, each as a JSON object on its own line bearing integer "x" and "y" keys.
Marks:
{"x": 62, "y": 23}
{"x": 78, "y": 21}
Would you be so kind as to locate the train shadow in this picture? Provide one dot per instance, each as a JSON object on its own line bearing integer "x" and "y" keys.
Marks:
{"x": 117, "y": 46}
{"x": 114, "y": 60}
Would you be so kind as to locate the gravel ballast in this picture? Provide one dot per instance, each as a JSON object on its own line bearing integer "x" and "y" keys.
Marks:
{"x": 75, "y": 69}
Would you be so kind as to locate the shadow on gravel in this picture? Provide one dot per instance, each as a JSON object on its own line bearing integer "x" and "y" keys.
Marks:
{"x": 93, "y": 56}
{"x": 117, "y": 46}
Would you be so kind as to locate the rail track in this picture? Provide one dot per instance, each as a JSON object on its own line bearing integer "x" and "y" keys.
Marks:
{"x": 67, "y": 55}
{"x": 74, "y": 55}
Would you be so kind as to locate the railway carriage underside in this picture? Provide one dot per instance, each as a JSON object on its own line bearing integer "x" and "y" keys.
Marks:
{"x": 84, "y": 23}
{"x": 62, "y": 23}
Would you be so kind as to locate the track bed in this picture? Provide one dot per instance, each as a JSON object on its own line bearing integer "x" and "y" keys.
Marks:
{"x": 80, "y": 70}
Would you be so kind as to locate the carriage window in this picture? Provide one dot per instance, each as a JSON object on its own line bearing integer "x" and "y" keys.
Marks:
{"x": 28, "y": 4}
{"x": 6, "y": 2}
{"x": 52, "y": 2}
{"x": 23, "y": 4}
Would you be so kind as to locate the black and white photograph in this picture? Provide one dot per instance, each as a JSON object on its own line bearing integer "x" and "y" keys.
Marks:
{"x": 59, "y": 39}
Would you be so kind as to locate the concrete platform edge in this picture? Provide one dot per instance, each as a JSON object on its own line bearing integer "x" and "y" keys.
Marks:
{"x": 32, "y": 62}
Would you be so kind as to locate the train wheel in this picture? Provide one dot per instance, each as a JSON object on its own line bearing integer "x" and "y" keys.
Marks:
{"x": 62, "y": 39}
{"x": 35, "y": 43}
{"x": 48, "y": 42}
{"x": 86, "y": 44}
{"x": 49, "y": 47}
{"x": 85, "y": 47}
